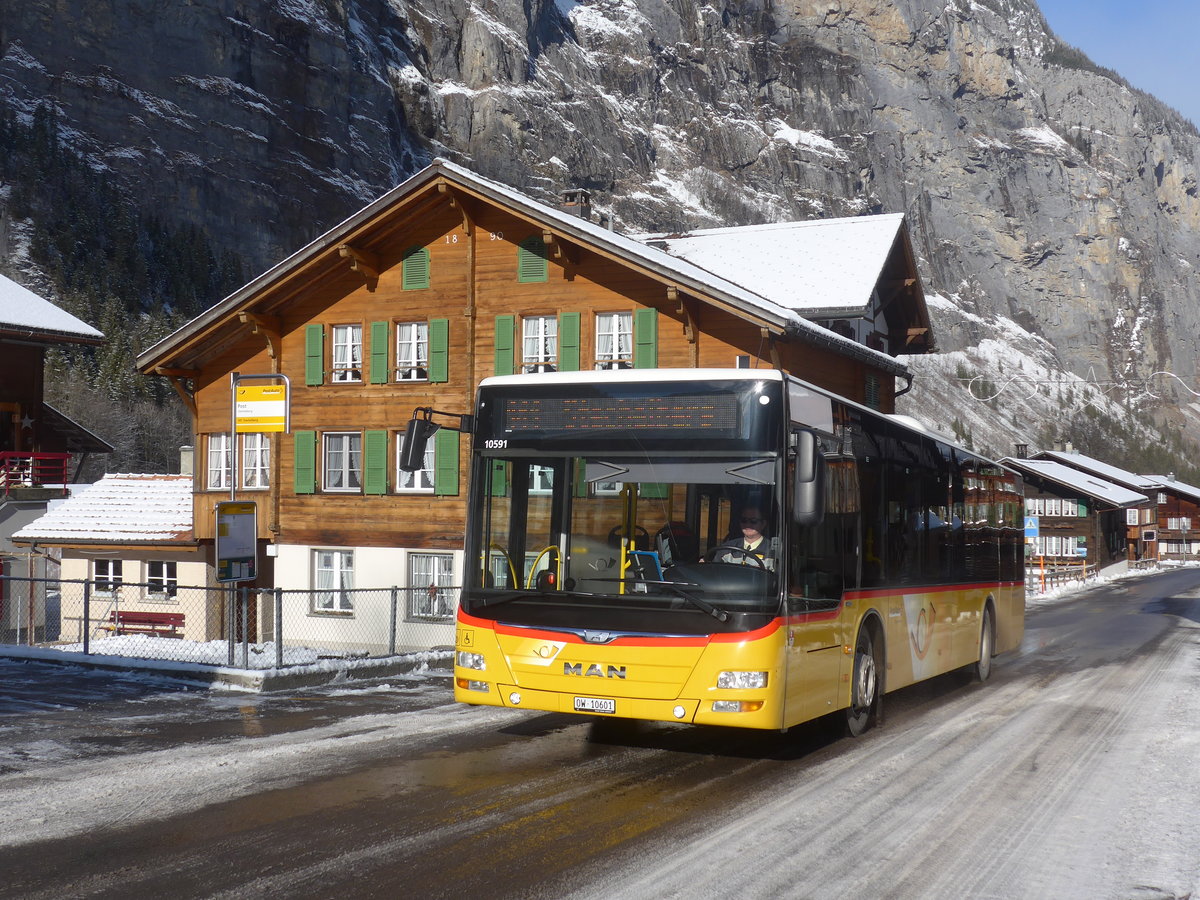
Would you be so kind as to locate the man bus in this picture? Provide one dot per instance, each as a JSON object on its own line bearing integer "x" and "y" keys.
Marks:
{"x": 601, "y": 578}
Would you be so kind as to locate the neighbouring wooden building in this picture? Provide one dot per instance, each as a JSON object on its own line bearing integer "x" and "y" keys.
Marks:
{"x": 450, "y": 278}
{"x": 1079, "y": 517}
{"x": 40, "y": 448}
{"x": 1178, "y": 509}
{"x": 1141, "y": 521}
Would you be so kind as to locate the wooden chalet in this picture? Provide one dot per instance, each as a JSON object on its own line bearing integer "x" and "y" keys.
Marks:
{"x": 1141, "y": 521}
{"x": 37, "y": 443}
{"x": 450, "y": 278}
{"x": 1178, "y": 508}
{"x": 1079, "y": 517}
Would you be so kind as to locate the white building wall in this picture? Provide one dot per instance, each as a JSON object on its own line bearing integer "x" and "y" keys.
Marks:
{"x": 380, "y": 583}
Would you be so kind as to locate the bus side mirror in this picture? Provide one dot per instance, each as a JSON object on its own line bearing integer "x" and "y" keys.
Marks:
{"x": 808, "y": 484}
{"x": 412, "y": 446}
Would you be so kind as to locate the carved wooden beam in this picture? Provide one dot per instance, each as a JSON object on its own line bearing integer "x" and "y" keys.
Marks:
{"x": 363, "y": 262}
{"x": 916, "y": 335}
{"x": 685, "y": 310}
{"x": 270, "y": 327}
{"x": 456, "y": 203}
{"x": 177, "y": 382}
{"x": 560, "y": 249}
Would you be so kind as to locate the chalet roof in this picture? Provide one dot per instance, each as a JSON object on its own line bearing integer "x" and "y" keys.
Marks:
{"x": 1169, "y": 483}
{"x": 27, "y": 316}
{"x": 119, "y": 509}
{"x": 61, "y": 429}
{"x": 1077, "y": 480}
{"x": 1096, "y": 467}
{"x": 678, "y": 272}
{"x": 820, "y": 269}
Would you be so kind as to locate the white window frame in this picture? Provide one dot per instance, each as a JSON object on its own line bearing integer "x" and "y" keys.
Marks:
{"x": 347, "y": 354}
{"x": 341, "y": 462}
{"x": 256, "y": 461}
{"x": 333, "y": 581}
{"x": 162, "y": 578}
{"x": 614, "y": 334}
{"x": 539, "y": 343}
{"x": 110, "y": 581}
{"x": 431, "y": 594}
{"x": 420, "y": 481}
{"x": 412, "y": 351}
{"x": 220, "y": 461}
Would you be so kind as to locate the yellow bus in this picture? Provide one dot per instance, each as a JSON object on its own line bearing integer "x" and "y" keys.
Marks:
{"x": 724, "y": 547}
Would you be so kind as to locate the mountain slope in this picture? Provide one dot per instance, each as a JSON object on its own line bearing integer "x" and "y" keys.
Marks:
{"x": 1043, "y": 193}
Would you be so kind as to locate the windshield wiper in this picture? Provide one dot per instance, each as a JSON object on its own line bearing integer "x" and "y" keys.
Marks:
{"x": 719, "y": 614}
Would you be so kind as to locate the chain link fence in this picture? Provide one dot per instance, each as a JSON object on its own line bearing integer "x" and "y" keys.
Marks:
{"x": 240, "y": 627}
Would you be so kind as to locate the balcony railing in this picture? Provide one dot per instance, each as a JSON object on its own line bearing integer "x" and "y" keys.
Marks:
{"x": 19, "y": 469}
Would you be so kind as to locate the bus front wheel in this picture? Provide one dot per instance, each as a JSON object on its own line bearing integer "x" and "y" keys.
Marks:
{"x": 987, "y": 647}
{"x": 864, "y": 687}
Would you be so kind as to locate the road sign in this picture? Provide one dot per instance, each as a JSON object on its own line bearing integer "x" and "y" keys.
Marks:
{"x": 260, "y": 407}
{"x": 237, "y": 541}
{"x": 1032, "y": 526}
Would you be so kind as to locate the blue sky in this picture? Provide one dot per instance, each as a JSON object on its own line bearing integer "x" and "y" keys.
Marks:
{"x": 1153, "y": 44}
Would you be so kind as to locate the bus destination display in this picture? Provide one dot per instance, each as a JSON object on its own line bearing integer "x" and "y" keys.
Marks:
{"x": 713, "y": 415}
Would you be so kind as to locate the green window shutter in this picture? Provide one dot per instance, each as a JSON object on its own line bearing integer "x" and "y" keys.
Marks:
{"x": 415, "y": 269}
{"x": 653, "y": 491}
{"x": 314, "y": 354}
{"x": 1082, "y": 509}
{"x": 439, "y": 349}
{"x": 568, "y": 342}
{"x": 506, "y": 329}
{"x": 499, "y": 478}
{"x": 379, "y": 352}
{"x": 304, "y": 445}
{"x": 645, "y": 339}
{"x": 531, "y": 260}
{"x": 375, "y": 462}
{"x": 445, "y": 461}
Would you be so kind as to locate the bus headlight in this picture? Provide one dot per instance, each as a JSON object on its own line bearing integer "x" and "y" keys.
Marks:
{"x": 742, "y": 680}
{"x": 465, "y": 660}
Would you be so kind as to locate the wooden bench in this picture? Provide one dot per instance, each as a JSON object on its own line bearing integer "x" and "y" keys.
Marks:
{"x": 163, "y": 624}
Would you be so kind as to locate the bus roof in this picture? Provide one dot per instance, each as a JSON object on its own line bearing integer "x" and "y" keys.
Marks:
{"x": 636, "y": 376}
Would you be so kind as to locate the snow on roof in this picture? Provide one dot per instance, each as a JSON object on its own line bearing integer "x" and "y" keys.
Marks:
{"x": 23, "y": 310}
{"x": 1168, "y": 483}
{"x": 825, "y": 266}
{"x": 119, "y": 509}
{"x": 1103, "y": 469}
{"x": 1078, "y": 480}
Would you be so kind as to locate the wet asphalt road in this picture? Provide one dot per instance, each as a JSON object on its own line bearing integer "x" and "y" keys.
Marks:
{"x": 446, "y": 801}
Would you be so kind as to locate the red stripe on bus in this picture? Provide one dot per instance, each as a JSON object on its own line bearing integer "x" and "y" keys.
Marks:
{"x": 625, "y": 641}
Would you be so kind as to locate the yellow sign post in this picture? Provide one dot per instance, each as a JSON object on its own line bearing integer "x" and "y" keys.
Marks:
{"x": 260, "y": 407}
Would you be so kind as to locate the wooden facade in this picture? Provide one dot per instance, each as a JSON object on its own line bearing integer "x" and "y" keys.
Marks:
{"x": 473, "y": 268}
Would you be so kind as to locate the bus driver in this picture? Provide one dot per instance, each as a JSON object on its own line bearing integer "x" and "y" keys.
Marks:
{"x": 753, "y": 541}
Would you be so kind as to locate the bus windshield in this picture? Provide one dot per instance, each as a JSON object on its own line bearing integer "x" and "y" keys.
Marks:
{"x": 631, "y": 532}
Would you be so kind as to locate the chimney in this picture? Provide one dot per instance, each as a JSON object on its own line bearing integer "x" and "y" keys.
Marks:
{"x": 577, "y": 202}
{"x": 185, "y": 460}
{"x": 1022, "y": 451}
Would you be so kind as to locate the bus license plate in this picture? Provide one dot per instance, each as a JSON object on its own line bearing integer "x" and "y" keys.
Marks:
{"x": 595, "y": 704}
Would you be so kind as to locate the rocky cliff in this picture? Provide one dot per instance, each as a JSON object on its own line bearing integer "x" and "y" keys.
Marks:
{"x": 1054, "y": 209}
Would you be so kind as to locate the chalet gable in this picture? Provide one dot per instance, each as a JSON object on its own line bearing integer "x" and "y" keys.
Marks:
{"x": 355, "y": 252}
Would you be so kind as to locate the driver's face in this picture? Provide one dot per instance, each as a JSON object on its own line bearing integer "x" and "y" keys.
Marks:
{"x": 752, "y": 524}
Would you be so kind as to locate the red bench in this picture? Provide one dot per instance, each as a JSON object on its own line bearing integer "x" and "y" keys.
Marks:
{"x": 126, "y": 621}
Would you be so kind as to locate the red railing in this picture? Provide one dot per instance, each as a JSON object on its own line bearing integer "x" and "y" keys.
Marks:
{"x": 18, "y": 469}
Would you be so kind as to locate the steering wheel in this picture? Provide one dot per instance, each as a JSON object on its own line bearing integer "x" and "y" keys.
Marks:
{"x": 641, "y": 537}
{"x": 711, "y": 556}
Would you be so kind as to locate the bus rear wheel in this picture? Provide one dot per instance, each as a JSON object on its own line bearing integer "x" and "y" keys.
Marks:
{"x": 864, "y": 687}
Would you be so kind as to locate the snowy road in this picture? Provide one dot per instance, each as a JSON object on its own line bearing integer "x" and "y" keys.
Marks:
{"x": 1074, "y": 773}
